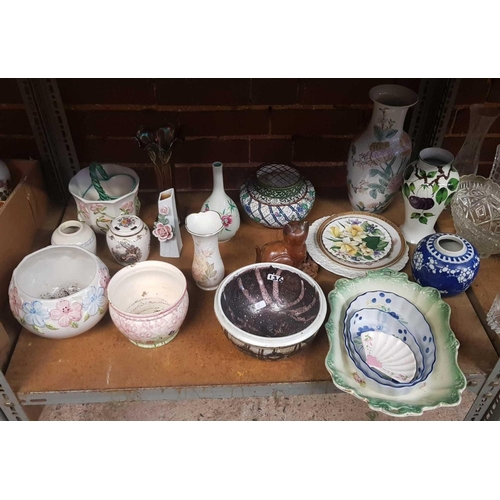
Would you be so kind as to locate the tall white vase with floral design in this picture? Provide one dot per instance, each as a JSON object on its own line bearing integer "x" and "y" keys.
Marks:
{"x": 166, "y": 226}
{"x": 223, "y": 205}
{"x": 429, "y": 185}
{"x": 377, "y": 158}
{"x": 208, "y": 268}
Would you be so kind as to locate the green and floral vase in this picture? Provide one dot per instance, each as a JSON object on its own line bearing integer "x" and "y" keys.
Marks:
{"x": 378, "y": 157}
{"x": 429, "y": 185}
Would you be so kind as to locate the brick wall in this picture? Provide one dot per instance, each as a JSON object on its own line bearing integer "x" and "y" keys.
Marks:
{"x": 241, "y": 122}
{"x": 16, "y": 138}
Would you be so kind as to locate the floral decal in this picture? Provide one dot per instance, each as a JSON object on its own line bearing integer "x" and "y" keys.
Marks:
{"x": 83, "y": 211}
{"x": 164, "y": 210}
{"x": 203, "y": 271}
{"x": 383, "y": 178}
{"x": 67, "y": 313}
{"x": 357, "y": 240}
{"x": 226, "y": 215}
{"x": 104, "y": 276}
{"x": 35, "y": 314}
{"x": 15, "y": 302}
{"x": 94, "y": 302}
{"x": 127, "y": 208}
{"x": 226, "y": 220}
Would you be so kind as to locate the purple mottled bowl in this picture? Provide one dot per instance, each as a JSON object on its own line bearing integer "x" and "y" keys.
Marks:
{"x": 270, "y": 311}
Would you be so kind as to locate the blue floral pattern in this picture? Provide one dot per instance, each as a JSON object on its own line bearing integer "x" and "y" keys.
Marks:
{"x": 94, "y": 301}
{"x": 35, "y": 313}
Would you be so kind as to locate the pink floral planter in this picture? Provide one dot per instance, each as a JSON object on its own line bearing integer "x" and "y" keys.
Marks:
{"x": 148, "y": 302}
{"x": 68, "y": 296}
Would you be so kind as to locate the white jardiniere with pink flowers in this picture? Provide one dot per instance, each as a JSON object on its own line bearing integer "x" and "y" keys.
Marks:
{"x": 223, "y": 205}
{"x": 59, "y": 292}
{"x": 148, "y": 302}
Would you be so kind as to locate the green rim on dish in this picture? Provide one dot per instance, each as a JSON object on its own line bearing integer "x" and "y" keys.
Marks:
{"x": 444, "y": 385}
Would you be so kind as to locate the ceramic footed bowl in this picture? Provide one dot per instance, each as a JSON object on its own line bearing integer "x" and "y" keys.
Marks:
{"x": 148, "y": 302}
{"x": 445, "y": 383}
{"x": 123, "y": 186}
{"x": 270, "y": 311}
{"x": 59, "y": 291}
{"x": 398, "y": 318}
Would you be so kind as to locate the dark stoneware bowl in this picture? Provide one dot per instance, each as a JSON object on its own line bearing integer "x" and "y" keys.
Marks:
{"x": 270, "y": 310}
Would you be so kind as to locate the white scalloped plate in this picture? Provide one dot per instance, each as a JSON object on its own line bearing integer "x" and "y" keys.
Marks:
{"x": 356, "y": 270}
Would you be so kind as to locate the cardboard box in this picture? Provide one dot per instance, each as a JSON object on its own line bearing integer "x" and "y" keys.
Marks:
{"x": 20, "y": 218}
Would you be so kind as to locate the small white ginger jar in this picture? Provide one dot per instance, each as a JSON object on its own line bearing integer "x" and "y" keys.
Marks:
{"x": 4, "y": 181}
{"x": 429, "y": 185}
{"x": 74, "y": 232}
{"x": 128, "y": 239}
{"x": 223, "y": 205}
{"x": 207, "y": 268}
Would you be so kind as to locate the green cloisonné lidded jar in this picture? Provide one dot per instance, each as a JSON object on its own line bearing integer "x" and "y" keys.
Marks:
{"x": 276, "y": 195}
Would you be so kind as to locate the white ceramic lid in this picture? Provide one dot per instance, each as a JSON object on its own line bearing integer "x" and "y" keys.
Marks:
{"x": 126, "y": 225}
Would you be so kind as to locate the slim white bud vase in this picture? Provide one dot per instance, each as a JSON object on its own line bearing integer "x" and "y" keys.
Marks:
{"x": 223, "y": 205}
{"x": 208, "y": 268}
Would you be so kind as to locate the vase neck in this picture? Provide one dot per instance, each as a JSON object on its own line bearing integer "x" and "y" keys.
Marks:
{"x": 388, "y": 117}
{"x": 218, "y": 177}
{"x": 481, "y": 119}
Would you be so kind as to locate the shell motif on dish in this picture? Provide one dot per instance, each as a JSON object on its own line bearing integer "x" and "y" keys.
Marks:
{"x": 389, "y": 355}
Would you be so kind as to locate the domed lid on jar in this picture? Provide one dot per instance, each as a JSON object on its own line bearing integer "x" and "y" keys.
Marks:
{"x": 126, "y": 225}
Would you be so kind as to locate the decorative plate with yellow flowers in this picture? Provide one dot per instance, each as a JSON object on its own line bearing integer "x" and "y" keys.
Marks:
{"x": 356, "y": 239}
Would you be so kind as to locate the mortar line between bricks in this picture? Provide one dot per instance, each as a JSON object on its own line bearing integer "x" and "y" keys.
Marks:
{"x": 191, "y": 108}
{"x": 229, "y": 137}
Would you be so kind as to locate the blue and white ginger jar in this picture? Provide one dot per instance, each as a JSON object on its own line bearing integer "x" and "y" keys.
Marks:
{"x": 446, "y": 262}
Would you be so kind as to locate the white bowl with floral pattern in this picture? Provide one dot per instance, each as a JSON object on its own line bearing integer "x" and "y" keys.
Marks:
{"x": 148, "y": 302}
{"x": 59, "y": 291}
{"x": 122, "y": 186}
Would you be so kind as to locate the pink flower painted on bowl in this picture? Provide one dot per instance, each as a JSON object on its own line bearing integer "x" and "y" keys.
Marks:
{"x": 97, "y": 208}
{"x": 104, "y": 273}
{"x": 227, "y": 220}
{"x": 15, "y": 302}
{"x": 127, "y": 208}
{"x": 66, "y": 313}
{"x": 164, "y": 210}
{"x": 82, "y": 209}
{"x": 163, "y": 231}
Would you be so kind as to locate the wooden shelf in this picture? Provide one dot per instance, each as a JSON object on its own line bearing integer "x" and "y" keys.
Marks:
{"x": 103, "y": 363}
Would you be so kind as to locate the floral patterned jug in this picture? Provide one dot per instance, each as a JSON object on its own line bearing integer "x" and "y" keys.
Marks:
{"x": 377, "y": 157}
